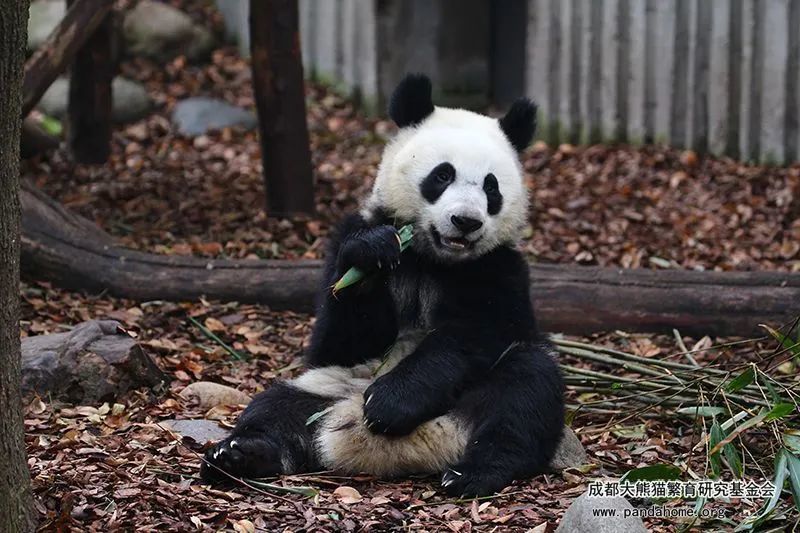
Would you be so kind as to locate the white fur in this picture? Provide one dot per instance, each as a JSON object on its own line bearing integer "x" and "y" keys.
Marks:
{"x": 345, "y": 444}
{"x": 475, "y": 145}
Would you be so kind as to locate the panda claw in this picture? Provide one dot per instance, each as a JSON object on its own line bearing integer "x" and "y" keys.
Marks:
{"x": 369, "y": 399}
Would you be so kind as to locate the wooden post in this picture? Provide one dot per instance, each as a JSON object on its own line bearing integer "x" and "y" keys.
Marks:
{"x": 280, "y": 100}
{"x": 89, "y": 109}
{"x": 52, "y": 58}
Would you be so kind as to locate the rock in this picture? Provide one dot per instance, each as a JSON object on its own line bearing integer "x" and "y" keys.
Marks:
{"x": 96, "y": 361}
{"x": 197, "y": 116}
{"x": 200, "y": 431}
{"x": 130, "y": 100}
{"x": 162, "y": 32}
{"x": 570, "y": 452}
{"x": 44, "y": 16}
{"x": 580, "y": 518}
{"x": 208, "y": 394}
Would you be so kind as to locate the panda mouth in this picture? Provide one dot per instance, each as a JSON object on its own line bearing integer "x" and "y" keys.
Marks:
{"x": 455, "y": 244}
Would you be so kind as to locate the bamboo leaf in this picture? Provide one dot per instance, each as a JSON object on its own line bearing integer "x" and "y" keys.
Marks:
{"x": 741, "y": 381}
{"x": 319, "y": 414}
{"x": 759, "y": 418}
{"x": 793, "y": 464}
{"x": 715, "y": 438}
{"x": 780, "y": 478}
{"x": 791, "y": 439}
{"x": 653, "y": 472}
{"x": 779, "y": 410}
{"x": 52, "y": 125}
{"x": 786, "y": 342}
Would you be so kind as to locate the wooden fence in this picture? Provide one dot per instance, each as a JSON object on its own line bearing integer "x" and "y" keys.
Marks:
{"x": 716, "y": 75}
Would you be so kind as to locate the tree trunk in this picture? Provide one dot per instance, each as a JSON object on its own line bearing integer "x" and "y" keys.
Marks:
{"x": 70, "y": 251}
{"x": 281, "y": 104}
{"x": 16, "y": 511}
{"x": 52, "y": 58}
{"x": 89, "y": 110}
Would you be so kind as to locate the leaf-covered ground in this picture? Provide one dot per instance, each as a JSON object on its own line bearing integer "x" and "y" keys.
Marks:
{"x": 114, "y": 466}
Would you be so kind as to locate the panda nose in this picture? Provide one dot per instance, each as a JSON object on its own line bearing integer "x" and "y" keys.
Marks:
{"x": 466, "y": 224}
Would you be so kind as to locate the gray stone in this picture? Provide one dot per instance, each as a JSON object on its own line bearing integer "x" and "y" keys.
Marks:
{"x": 44, "y": 16}
{"x": 200, "y": 431}
{"x": 570, "y": 452}
{"x": 196, "y": 116}
{"x": 208, "y": 394}
{"x": 580, "y": 518}
{"x": 162, "y": 32}
{"x": 130, "y": 100}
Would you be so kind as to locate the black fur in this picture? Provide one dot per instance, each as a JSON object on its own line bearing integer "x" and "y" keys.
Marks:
{"x": 493, "y": 195}
{"x": 437, "y": 181}
{"x": 340, "y": 336}
{"x": 519, "y": 124}
{"x": 270, "y": 435}
{"x": 411, "y": 101}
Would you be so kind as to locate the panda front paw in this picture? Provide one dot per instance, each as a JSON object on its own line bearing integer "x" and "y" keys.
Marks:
{"x": 391, "y": 409}
{"x": 250, "y": 456}
{"x": 466, "y": 480}
{"x": 370, "y": 249}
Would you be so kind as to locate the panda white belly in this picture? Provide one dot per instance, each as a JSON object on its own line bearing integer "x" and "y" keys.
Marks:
{"x": 342, "y": 440}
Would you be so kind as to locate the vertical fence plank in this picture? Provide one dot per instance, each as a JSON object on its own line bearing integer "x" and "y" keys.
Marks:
{"x": 702, "y": 24}
{"x": 594, "y": 97}
{"x": 773, "y": 79}
{"x": 537, "y": 79}
{"x": 664, "y": 54}
{"x": 719, "y": 79}
{"x": 575, "y": 51}
{"x": 792, "y": 121}
{"x": 608, "y": 85}
{"x": 679, "y": 95}
{"x": 636, "y": 88}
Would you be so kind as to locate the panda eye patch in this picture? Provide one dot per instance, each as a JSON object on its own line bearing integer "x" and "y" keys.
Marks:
{"x": 437, "y": 181}
{"x": 493, "y": 196}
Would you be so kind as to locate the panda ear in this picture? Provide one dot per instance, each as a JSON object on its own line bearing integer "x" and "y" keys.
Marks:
{"x": 411, "y": 101}
{"x": 519, "y": 124}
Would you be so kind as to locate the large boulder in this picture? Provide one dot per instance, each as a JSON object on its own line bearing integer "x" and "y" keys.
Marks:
{"x": 199, "y": 115}
{"x": 43, "y": 17}
{"x": 162, "y": 32}
{"x": 580, "y": 517}
{"x": 130, "y": 100}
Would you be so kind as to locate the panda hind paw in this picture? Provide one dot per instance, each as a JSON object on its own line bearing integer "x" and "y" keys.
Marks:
{"x": 250, "y": 456}
{"x": 462, "y": 480}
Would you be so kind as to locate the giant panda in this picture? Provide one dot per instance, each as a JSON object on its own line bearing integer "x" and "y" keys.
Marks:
{"x": 432, "y": 364}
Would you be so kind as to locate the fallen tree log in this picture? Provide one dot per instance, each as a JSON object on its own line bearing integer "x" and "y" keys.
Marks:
{"x": 93, "y": 362}
{"x": 51, "y": 59}
{"x": 70, "y": 251}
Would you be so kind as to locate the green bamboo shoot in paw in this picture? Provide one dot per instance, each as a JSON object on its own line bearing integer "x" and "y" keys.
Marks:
{"x": 354, "y": 275}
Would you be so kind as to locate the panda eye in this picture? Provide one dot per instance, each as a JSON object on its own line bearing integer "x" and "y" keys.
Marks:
{"x": 490, "y": 184}
{"x": 444, "y": 176}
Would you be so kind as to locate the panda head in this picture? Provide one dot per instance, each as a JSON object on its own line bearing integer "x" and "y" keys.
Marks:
{"x": 453, "y": 173}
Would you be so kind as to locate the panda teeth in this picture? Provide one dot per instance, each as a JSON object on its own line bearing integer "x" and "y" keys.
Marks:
{"x": 453, "y": 243}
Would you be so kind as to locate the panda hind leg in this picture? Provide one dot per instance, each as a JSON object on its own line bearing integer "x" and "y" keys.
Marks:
{"x": 271, "y": 437}
{"x": 517, "y": 417}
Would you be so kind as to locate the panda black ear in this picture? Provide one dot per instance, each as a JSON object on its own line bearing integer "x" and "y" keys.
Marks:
{"x": 411, "y": 101}
{"x": 519, "y": 124}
